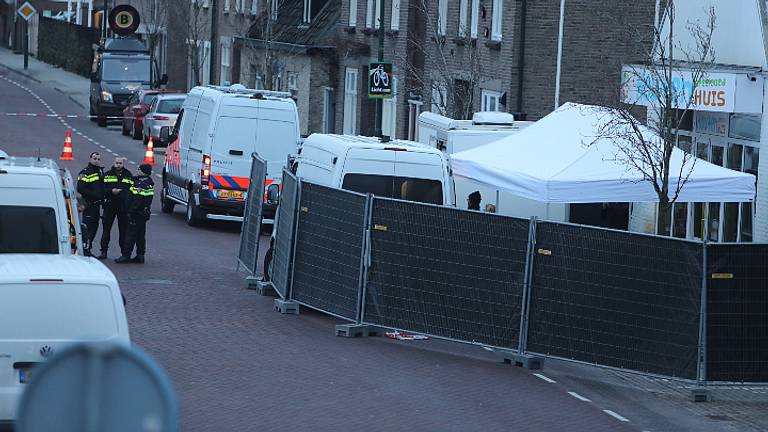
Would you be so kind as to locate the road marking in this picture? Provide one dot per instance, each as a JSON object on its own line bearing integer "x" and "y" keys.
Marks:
{"x": 616, "y": 416}
{"x": 545, "y": 378}
{"x": 579, "y": 397}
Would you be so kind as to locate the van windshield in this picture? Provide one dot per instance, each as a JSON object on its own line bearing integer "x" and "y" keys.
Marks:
{"x": 28, "y": 230}
{"x": 404, "y": 188}
{"x": 126, "y": 69}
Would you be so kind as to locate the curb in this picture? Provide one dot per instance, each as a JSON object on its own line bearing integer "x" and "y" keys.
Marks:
{"x": 21, "y": 73}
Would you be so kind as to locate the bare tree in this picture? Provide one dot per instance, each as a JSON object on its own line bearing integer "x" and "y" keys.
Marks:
{"x": 154, "y": 15}
{"x": 452, "y": 73}
{"x": 659, "y": 84}
{"x": 196, "y": 24}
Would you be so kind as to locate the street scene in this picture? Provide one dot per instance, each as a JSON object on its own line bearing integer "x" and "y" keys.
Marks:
{"x": 331, "y": 215}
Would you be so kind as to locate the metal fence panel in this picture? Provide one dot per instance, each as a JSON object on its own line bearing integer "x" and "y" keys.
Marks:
{"x": 616, "y": 299}
{"x": 251, "y": 228}
{"x": 446, "y": 272}
{"x": 737, "y": 312}
{"x": 329, "y": 246}
{"x": 282, "y": 254}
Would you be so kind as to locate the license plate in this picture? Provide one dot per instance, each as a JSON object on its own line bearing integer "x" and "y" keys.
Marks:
{"x": 25, "y": 374}
{"x": 226, "y": 193}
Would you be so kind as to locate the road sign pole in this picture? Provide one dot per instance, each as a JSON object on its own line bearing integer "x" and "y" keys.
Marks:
{"x": 380, "y": 102}
{"x": 26, "y": 44}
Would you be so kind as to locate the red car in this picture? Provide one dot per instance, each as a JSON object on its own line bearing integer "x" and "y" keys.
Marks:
{"x": 138, "y": 106}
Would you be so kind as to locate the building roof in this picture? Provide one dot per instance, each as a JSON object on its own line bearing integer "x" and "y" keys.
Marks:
{"x": 290, "y": 29}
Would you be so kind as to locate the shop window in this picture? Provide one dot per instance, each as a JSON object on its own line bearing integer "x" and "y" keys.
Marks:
{"x": 718, "y": 154}
{"x": 680, "y": 222}
{"x": 731, "y": 222}
{"x": 745, "y": 126}
{"x": 698, "y": 220}
{"x": 713, "y": 222}
{"x": 686, "y": 118}
{"x": 746, "y": 221}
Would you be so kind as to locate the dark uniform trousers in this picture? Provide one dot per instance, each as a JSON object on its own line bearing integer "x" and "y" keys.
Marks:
{"x": 91, "y": 216}
{"x": 111, "y": 212}
{"x": 137, "y": 230}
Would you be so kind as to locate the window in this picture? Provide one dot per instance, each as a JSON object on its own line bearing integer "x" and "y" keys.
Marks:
{"x": 39, "y": 234}
{"x": 489, "y": 100}
{"x": 255, "y": 7}
{"x": 496, "y": 19}
{"x": 352, "y": 13}
{"x": 293, "y": 81}
{"x": 373, "y": 13}
{"x": 389, "y": 113}
{"x": 328, "y": 111}
{"x": 404, "y": 188}
{"x": 273, "y": 9}
{"x": 414, "y": 110}
{"x": 170, "y": 106}
{"x": 226, "y": 6}
{"x": 475, "y": 18}
{"x": 226, "y": 53}
{"x": 442, "y": 17}
{"x": 126, "y": 69}
{"x": 462, "y": 19}
{"x": 350, "y": 101}
{"x": 307, "y": 14}
{"x": 240, "y": 6}
{"x": 439, "y": 98}
{"x": 395, "y": 21}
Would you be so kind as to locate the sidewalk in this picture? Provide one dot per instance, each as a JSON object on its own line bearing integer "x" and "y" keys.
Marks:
{"x": 74, "y": 86}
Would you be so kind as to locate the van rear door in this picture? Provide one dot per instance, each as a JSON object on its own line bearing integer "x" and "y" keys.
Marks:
{"x": 233, "y": 144}
{"x": 277, "y": 135}
{"x": 419, "y": 177}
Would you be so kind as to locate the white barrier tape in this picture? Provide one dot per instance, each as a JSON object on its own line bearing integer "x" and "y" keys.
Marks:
{"x": 72, "y": 116}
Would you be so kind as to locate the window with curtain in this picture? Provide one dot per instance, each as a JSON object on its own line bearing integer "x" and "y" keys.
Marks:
{"x": 462, "y": 31}
{"x": 497, "y": 19}
{"x": 442, "y": 17}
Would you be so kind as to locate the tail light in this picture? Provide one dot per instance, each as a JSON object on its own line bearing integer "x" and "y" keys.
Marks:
{"x": 205, "y": 171}
{"x": 157, "y": 117}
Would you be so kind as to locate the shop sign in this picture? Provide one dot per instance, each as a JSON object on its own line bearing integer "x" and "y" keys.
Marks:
{"x": 712, "y": 123}
{"x": 713, "y": 92}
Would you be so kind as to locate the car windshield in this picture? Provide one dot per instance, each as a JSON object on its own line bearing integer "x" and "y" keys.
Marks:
{"x": 39, "y": 234}
{"x": 404, "y": 188}
{"x": 170, "y": 106}
{"x": 126, "y": 69}
{"x": 149, "y": 98}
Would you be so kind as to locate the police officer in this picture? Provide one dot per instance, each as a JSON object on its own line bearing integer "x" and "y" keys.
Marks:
{"x": 117, "y": 183}
{"x": 139, "y": 203}
{"x": 90, "y": 185}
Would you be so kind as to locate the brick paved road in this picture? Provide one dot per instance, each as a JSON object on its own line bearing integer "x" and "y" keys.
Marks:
{"x": 238, "y": 365}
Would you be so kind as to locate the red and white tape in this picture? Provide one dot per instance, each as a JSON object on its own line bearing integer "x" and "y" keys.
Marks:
{"x": 15, "y": 114}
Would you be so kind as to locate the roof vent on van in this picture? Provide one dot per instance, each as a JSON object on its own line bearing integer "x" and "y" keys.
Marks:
{"x": 385, "y": 139}
{"x": 493, "y": 118}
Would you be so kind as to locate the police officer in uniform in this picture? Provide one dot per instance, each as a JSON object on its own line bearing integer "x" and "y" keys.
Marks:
{"x": 90, "y": 185}
{"x": 117, "y": 183}
{"x": 139, "y": 203}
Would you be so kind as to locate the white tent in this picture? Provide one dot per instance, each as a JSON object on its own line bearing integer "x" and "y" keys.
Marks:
{"x": 559, "y": 159}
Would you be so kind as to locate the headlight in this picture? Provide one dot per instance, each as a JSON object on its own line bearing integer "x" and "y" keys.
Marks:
{"x": 106, "y": 96}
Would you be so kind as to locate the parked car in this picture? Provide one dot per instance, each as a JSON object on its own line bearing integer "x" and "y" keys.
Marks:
{"x": 48, "y": 302}
{"x": 138, "y": 106}
{"x": 162, "y": 112}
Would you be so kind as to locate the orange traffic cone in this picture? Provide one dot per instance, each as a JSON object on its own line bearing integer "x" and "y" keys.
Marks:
{"x": 66, "y": 153}
{"x": 149, "y": 155}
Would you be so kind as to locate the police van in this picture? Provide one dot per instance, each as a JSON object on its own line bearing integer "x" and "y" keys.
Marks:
{"x": 38, "y": 208}
{"x": 208, "y": 161}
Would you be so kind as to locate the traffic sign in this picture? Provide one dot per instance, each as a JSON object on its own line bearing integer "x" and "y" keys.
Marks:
{"x": 26, "y": 11}
{"x": 124, "y": 20}
{"x": 380, "y": 80}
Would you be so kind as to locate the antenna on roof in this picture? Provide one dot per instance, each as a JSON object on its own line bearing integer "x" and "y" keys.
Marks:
{"x": 38, "y": 154}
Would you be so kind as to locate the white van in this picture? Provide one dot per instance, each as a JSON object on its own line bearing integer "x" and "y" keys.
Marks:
{"x": 38, "y": 208}
{"x": 208, "y": 163}
{"x": 48, "y": 302}
{"x": 394, "y": 169}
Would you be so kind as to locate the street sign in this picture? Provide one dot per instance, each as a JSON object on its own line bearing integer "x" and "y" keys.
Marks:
{"x": 26, "y": 11}
{"x": 380, "y": 80}
{"x": 124, "y": 20}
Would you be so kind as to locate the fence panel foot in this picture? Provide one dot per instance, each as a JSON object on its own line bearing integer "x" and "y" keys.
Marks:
{"x": 356, "y": 330}
{"x": 262, "y": 288}
{"x": 701, "y": 394}
{"x": 527, "y": 361}
{"x": 289, "y": 307}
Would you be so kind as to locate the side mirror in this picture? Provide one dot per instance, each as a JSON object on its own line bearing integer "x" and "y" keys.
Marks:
{"x": 165, "y": 133}
{"x": 273, "y": 194}
{"x": 164, "y": 79}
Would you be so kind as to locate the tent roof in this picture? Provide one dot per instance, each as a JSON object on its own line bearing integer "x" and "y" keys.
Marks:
{"x": 562, "y": 158}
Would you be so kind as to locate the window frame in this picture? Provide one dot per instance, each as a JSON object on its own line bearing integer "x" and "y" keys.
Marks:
{"x": 497, "y": 20}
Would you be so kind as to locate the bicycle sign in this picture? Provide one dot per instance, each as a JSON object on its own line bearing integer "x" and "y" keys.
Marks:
{"x": 380, "y": 80}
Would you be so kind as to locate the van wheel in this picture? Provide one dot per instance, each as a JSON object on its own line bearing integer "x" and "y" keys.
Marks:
{"x": 91, "y": 113}
{"x": 166, "y": 205}
{"x": 102, "y": 121}
{"x": 194, "y": 214}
